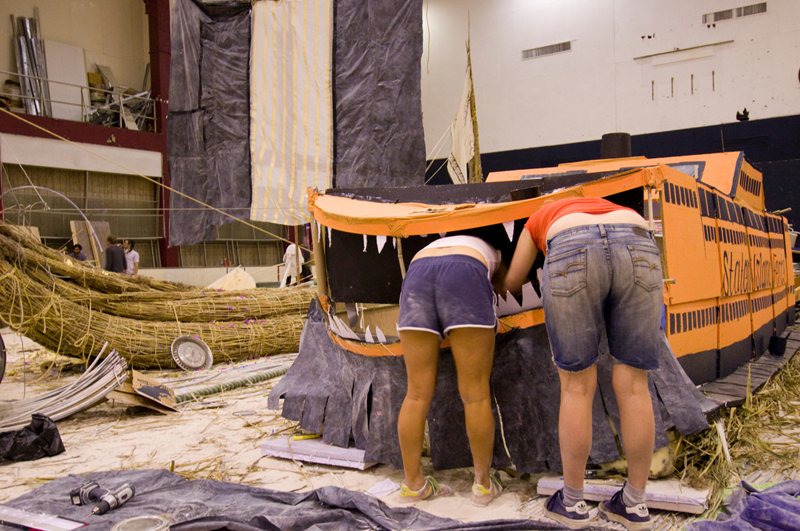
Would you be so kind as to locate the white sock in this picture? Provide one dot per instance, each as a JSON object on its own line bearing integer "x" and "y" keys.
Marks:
{"x": 571, "y": 496}
{"x": 631, "y": 496}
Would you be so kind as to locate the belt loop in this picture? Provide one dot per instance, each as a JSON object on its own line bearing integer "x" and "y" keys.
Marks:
{"x": 602, "y": 230}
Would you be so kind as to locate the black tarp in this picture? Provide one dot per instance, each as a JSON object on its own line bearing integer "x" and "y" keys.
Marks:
{"x": 359, "y": 397}
{"x": 38, "y": 439}
{"x": 206, "y": 505}
{"x": 378, "y": 133}
{"x": 208, "y": 127}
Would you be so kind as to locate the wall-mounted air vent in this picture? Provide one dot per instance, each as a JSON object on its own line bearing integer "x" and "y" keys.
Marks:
{"x": 533, "y": 53}
{"x": 728, "y": 14}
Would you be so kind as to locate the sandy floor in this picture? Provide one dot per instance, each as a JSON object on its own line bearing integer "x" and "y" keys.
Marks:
{"x": 202, "y": 442}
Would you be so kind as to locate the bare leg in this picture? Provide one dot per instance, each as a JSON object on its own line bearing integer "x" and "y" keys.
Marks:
{"x": 421, "y": 355}
{"x": 473, "y": 351}
{"x": 636, "y": 421}
{"x": 575, "y": 423}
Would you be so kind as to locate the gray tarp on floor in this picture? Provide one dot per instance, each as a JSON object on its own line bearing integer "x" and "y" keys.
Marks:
{"x": 359, "y": 397}
{"x": 206, "y": 505}
{"x": 208, "y": 127}
{"x": 379, "y": 139}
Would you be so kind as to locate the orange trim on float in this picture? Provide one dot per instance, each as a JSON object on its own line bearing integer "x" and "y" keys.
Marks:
{"x": 401, "y": 220}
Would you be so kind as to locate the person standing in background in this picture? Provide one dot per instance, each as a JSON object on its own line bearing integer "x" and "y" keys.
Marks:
{"x": 115, "y": 255}
{"x": 131, "y": 258}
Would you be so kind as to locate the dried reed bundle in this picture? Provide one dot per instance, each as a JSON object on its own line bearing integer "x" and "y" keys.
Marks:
{"x": 69, "y": 328}
{"x": 80, "y": 272}
{"x": 184, "y": 306}
{"x": 72, "y": 309}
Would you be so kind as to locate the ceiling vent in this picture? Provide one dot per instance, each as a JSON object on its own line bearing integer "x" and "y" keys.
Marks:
{"x": 728, "y": 14}
{"x": 533, "y": 53}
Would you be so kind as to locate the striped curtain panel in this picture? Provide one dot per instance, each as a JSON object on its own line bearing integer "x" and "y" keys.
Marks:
{"x": 291, "y": 135}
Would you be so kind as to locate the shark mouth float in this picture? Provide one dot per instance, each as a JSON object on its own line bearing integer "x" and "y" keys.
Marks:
{"x": 729, "y": 287}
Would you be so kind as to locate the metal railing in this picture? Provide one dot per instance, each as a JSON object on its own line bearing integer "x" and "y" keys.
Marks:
{"x": 134, "y": 111}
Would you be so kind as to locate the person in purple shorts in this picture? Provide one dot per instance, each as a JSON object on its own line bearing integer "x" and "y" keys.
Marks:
{"x": 448, "y": 291}
{"x": 602, "y": 272}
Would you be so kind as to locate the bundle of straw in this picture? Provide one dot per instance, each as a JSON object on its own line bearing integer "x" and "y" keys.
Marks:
{"x": 72, "y": 309}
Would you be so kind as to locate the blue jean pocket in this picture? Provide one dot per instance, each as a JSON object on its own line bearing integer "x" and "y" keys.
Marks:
{"x": 566, "y": 272}
{"x": 646, "y": 266}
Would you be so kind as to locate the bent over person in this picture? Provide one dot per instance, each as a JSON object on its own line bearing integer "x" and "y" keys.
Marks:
{"x": 602, "y": 272}
{"x": 448, "y": 292}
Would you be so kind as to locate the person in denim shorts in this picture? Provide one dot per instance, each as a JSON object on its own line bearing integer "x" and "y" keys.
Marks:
{"x": 602, "y": 272}
{"x": 448, "y": 292}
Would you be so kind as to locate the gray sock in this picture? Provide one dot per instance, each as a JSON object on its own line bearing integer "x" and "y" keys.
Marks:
{"x": 571, "y": 496}
{"x": 632, "y": 496}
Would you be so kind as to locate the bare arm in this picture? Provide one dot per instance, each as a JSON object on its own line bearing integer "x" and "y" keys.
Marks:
{"x": 521, "y": 263}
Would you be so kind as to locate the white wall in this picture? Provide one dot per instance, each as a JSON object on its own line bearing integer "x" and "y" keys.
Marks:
{"x": 112, "y": 32}
{"x": 599, "y": 86}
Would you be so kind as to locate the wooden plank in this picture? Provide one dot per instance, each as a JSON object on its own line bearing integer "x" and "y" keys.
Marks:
{"x": 315, "y": 451}
{"x": 66, "y": 64}
{"x": 81, "y": 237}
{"x": 32, "y": 232}
{"x": 80, "y": 234}
{"x": 664, "y": 494}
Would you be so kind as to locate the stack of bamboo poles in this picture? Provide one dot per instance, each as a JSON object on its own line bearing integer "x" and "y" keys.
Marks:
{"x": 72, "y": 308}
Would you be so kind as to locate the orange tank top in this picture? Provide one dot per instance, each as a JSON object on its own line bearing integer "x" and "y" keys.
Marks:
{"x": 541, "y": 220}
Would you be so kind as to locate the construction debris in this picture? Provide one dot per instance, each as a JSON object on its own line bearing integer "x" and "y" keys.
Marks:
{"x": 92, "y": 387}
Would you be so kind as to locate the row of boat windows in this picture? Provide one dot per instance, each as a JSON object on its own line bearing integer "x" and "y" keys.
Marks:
{"x": 749, "y": 184}
{"x": 713, "y": 206}
{"x": 687, "y": 321}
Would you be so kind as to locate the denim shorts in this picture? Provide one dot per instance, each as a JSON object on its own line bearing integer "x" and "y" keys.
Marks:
{"x": 440, "y": 293}
{"x": 600, "y": 276}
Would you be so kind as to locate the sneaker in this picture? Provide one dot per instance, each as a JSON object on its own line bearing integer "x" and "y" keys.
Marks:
{"x": 636, "y": 518}
{"x": 575, "y": 516}
{"x": 481, "y": 496}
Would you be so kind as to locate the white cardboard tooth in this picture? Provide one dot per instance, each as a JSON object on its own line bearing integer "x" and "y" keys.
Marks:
{"x": 379, "y": 333}
{"x": 329, "y": 236}
{"x": 394, "y": 243}
{"x": 365, "y": 243}
{"x": 442, "y": 234}
{"x": 423, "y": 235}
{"x": 509, "y": 226}
{"x": 530, "y": 299}
{"x": 507, "y": 305}
{"x": 368, "y": 336}
{"x": 334, "y": 326}
{"x": 381, "y": 240}
{"x": 345, "y": 330}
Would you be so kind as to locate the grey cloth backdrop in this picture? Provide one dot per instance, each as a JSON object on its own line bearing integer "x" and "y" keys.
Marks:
{"x": 379, "y": 140}
{"x": 208, "y": 127}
